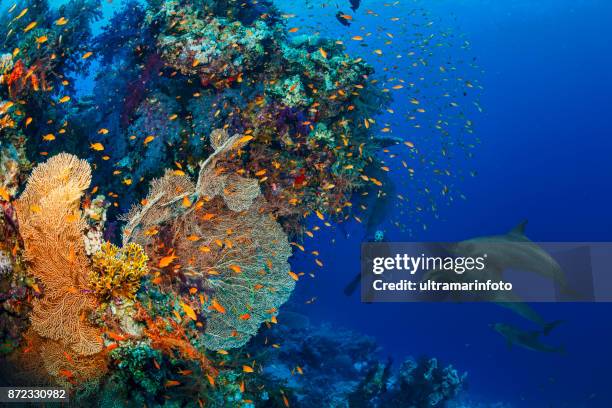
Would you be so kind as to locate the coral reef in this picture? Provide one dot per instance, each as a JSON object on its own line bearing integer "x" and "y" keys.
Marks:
{"x": 223, "y": 132}
{"x": 42, "y": 52}
{"x": 418, "y": 384}
{"x": 218, "y": 238}
{"x": 321, "y": 365}
{"x": 15, "y": 285}
{"x": 307, "y": 105}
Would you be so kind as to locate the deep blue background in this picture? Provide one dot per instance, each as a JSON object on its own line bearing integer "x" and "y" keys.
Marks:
{"x": 545, "y": 156}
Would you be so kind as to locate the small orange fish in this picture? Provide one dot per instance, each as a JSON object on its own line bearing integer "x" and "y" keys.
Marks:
{"x": 167, "y": 260}
{"x": 30, "y": 26}
{"x": 171, "y": 383}
{"x": 211, "y": 379}
{"x": 215, "y": 305}
{"x": 247, "y": 369}
{"x": 4, "y": 194}
{"x": 116, "y": 336}
{"x": 189, "y": 311}
{"x": 68, "y": 357}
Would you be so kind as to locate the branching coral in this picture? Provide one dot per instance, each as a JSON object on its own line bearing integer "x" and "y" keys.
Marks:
{"x": 51, "y": 225}
{"x": 116, "y": 272}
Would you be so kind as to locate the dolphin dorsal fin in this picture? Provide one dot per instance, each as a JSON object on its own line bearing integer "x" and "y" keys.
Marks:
{"x": 519, "y": 229}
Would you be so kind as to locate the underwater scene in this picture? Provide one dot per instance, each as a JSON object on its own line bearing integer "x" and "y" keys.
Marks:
{"x": 314, "y": 203}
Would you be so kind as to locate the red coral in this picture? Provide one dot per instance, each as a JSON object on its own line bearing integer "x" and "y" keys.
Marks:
{"x": 171, "y": 341}
{"x": 19, "y": 78}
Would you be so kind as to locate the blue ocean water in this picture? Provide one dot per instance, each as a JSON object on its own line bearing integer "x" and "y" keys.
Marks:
{"x": 544, "y": 156}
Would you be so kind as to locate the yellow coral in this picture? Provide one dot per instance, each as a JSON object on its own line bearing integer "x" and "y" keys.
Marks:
{"x": 117, "y": 271}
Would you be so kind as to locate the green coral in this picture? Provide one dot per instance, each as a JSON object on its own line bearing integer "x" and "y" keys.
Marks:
{"x": 291, "y": 92}
{"x": 323, "y": 134}
{"x": 117, "y": 271}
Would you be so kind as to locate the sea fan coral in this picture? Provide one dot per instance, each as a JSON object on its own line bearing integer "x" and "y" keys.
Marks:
{"x": 225, "y": 243}
{"x": 51, "y": 226}
{"x": 117, "y": 271}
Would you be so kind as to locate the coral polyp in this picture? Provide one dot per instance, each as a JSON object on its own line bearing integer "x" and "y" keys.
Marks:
{"x": 116, "y": 272}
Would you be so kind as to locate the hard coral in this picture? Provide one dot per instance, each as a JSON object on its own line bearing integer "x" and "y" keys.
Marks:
{"x": 117, "y": 272}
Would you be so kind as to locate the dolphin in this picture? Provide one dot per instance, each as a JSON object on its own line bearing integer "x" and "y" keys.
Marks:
{"x": 512, "y": 251}
{"x": 526, "y": 339}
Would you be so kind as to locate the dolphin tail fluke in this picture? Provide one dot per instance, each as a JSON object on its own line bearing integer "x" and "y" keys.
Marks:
{"x": 548, "y": 327}
{"x": 352, "y": 286}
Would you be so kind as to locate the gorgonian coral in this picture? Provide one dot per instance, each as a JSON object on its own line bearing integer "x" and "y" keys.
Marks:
{"x": 51, "y": 225}
{"x": 116, "y": 272}
{"x": 219, "y": 238}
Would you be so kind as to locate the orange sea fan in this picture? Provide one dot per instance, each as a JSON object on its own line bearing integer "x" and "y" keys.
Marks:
{"x": 51, "y": 226}
{"x": 45, "y": 362}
